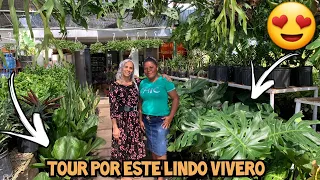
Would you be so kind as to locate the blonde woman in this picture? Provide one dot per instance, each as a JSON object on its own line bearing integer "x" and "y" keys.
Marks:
{"x": 127, "y": 139}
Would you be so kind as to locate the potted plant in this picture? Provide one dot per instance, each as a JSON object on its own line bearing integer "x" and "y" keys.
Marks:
{"x": 27, "y": 48}
{"x": 30, "y": 105}
{"x": 301, "y": 75}
{"x": 281, "y": 74}
{"x": 66, "y": 46}
{"x": 97, "y": 47}
{"x": 9, "y": 47}
{"x": 162, "y": 67}
{"x": 6, "y": 124}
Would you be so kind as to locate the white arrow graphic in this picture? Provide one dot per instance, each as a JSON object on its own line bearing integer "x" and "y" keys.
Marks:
{"x": 38, "y": 134}
{"x": 257, "y": 90}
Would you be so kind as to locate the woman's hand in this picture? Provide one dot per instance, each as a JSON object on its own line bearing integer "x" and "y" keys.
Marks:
{"x": 142, "y": 125}
{"x": 166, "y": 121}
{"x": 116, "y": 133}
{"x": 167, "y": 77}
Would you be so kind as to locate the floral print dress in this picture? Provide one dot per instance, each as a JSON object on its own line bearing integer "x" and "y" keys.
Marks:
{"x": 130, "y": 145}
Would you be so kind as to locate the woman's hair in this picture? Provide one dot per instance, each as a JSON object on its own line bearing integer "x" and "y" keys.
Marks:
{"x": 151, "y": 59}
{"x": 120, "y": 70}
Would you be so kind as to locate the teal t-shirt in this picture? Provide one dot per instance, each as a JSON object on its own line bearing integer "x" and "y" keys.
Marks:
{"x": 154, "y": 96}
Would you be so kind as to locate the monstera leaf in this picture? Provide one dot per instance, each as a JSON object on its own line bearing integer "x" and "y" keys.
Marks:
{"x": 212, "y": 95}
{"x": 191, "y": 86}
{"x": 294, "y": 131}
{"x": 237, "y": 137}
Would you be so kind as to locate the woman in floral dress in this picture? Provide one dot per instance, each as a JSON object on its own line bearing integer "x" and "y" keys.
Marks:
{"x": 127, "y": 139}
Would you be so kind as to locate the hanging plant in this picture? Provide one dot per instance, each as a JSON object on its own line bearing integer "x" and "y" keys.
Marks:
{"x": 138, "y": 44}
{"x": 97, "y": 47}
{"x": 10, "y": 46}
{"x": 65, "y": 44}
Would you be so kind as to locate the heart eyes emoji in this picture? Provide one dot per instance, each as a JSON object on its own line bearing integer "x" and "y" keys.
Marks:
{"x": 280, "y": 22}
{"x": 301, "y": 21}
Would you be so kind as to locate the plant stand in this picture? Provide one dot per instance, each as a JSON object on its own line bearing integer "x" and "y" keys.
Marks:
{"x": 21, "y": 163}
{"x": 271, "y": 91}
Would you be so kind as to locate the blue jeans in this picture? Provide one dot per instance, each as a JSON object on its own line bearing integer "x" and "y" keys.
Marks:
{"x": 156, "y": 135}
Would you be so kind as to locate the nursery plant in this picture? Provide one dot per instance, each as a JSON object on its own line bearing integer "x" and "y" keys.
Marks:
{"x": 236, "y": 131}
{"x": 73, "y": 128}
{"x": 44, "y": 107}
{"x": 129, "y": 44}
{"x": 32, "y": 104}
{"x": 98, "y": 47}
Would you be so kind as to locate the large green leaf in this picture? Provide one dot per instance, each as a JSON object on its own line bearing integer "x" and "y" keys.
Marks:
{"x": 241, "y": 138}
{"x": 191, "y": 86}
{"x": 295, "y": 131}
{"x": 42, "y": 176}
{"x": 313, "y": 45}
{"x": 213, "y": 94}
{"x": 98, "y": 142}
{"x": 68, "y": 147}
{"x": 14, "y": 19}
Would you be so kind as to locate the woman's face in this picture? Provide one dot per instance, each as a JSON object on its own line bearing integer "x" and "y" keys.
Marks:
{"x": 127, "y": 69}
{"x": 150, "y": 69}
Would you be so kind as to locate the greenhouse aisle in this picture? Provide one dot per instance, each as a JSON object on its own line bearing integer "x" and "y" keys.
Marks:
{"x": 105, "y": 131}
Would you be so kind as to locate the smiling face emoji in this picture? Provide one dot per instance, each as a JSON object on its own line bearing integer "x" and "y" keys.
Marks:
{"x": 291, "y": 25}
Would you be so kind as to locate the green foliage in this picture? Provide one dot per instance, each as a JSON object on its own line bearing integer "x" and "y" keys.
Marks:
{"x": 73, "y": 128}
{"x": 32, "y": 104}
{"x": 6, "y": 123}
{"x": 65, "y": 44}
{"x": 315, "y": 47}
{"x": 68, "y": 148}
{"x": 138, "y": 44}
{"x": 237, "y": 131}
{"x": 97, "y": 47}
{"x": 44, "y": 82}
{"x": 197, "y": 94}
{"x": 76, "y": 115}
{"x": 27, "y": 44}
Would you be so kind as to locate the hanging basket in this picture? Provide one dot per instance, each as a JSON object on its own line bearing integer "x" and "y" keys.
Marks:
{"x": 129, "y": 44}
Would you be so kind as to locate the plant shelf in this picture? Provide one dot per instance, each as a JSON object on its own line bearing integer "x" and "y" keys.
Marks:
{"x": 271, "y": 91}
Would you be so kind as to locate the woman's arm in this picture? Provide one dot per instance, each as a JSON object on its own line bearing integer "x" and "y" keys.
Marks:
{"x": 140, "y": 114}
{"x": 140, "y": 109}
{"x": 175, "y": 102}
{"x": 114, "y": 114}
{"x": 167, "y": 77}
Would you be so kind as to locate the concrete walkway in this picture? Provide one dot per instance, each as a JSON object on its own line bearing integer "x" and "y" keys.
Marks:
{"x": 105, "y": 131}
